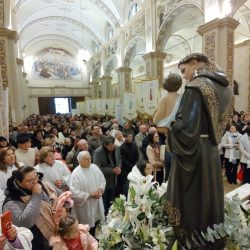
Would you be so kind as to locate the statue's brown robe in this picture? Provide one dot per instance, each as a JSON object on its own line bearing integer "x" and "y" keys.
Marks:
{"x": 195, "y": 188}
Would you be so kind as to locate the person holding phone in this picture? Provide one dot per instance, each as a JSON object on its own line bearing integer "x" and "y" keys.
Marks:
{"x": 32, "y": 204}
{"x": 16, "y": 238}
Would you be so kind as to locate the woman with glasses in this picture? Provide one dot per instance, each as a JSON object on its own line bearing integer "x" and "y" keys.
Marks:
{"x": 31, "y": 203}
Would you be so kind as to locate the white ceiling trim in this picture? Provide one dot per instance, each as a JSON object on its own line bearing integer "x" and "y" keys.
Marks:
{"x": 98, "y": 3}
{"x": 107, "y": 11}
{"x": 61, "y": 18}
{"x": 50, "y": 36}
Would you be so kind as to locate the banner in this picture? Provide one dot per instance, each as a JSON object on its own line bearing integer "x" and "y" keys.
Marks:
{"x": 111, "y": 106}
{"x": 129, "y": 106}
{"x": 90, "y": 106}
{"x": 139, "y": 97}
{"x": 98, "y": 106}
{"x": 150, "y": 96}
{"x": 119, "y": 113}
{"x": 105, "y": 106}
{"x": 81, "y": 109}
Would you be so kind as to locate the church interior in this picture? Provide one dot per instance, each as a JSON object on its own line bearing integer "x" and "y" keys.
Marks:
{"x": 110, "y": 57}
{"x": 89, "y": 50}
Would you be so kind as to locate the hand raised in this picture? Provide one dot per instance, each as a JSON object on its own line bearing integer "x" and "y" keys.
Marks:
{"x": 37, "y": 188}
{"x": 12, "y": 233}
{"x": 2, "y": 242}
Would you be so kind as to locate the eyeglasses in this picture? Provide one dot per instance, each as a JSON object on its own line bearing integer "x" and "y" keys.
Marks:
{"x": 31, "y": 181}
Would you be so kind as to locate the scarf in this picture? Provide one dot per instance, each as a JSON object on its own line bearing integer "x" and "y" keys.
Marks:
{"x": 45, "y": 221}
{"x": 233, "y": 138}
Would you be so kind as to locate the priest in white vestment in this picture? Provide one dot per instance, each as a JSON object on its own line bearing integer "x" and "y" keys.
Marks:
{"x": 87, "y": 184}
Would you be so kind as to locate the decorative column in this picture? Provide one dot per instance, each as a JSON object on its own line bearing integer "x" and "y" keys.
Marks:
{"x": 95, "y": 89}
{"x": 218, "y": 42}
{"x": 154, "y": 65}
{"x": 10, "y": 76}
{"x": 105, "y": 86}
{"x": 124, "y": 81}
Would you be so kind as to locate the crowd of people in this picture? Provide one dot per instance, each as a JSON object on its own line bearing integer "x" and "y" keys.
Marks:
{"x": 60, "y": 173}
{"x": 91, "y": 158}
{"x": 96, "y": 160}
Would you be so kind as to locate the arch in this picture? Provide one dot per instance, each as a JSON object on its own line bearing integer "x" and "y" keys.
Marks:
{"x": 50, "y": 36}
{"x": 242, "y": 32}
{"x": 98, "y": 3}
{"x": 111, "y": 64}
{"x": 166, "y": 27}
{"x": 135, "y": 46}
{"x": 61, "y": 18}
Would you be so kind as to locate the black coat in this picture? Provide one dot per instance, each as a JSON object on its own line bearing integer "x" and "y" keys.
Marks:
{"x": 195, "y": 189}
{"x": 129, "y": 156}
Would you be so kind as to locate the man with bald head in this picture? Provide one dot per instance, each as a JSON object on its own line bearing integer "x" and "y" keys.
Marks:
{"x": 82, "y": 145}
{"x": 195, "y": 195}
{"x": 87, "y": 185}
{"x": 139, "y": 138}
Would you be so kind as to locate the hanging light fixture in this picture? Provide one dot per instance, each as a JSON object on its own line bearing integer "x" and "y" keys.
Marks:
{"x": 83, "y": 53}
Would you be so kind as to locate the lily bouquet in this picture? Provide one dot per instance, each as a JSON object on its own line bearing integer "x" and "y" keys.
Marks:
{"x": 236, "y": 227}
{"x": 140, "y": 222}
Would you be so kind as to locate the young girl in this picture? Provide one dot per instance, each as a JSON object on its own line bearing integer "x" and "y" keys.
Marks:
{"x": 230, "y": 141}
{"x": 73, "y": 236}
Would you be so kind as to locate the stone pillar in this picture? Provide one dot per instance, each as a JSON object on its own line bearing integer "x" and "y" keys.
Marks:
{"x": 105, "y": 86}
{"x": 155, "y": 65}
{"x": 4, "y": 107}
{"x": 124, "y": 81}
{"x": 10, "y": 74}
{"x": 95, "y": 89}
{"x": 218, "y": 42}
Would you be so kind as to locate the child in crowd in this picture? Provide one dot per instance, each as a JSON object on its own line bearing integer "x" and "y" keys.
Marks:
{"x": 72, "y": 235}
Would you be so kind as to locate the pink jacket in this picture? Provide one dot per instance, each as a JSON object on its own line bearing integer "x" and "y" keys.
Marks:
{"x": 87, "y": 240}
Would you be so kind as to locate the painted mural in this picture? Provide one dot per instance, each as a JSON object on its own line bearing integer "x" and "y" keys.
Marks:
{"x": 55, "y": 64}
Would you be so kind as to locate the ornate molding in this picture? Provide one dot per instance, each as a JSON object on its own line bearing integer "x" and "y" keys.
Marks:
{"x": 123, "y": 69}
{"x": 217, "y": 23}
{"x": 242, "y": 44}
{"x": 156, "y": 54}
{"x": 248, "y": 104}
{"x": 210, "y": 46}
{"x": 106, "y": 78}
{"x": 1, "y": 13}
{"x": 10, "y": 34}
{"x": 230, "y": 55}
{"x": 19, "y": 61}
{"x": 3, "y": 65}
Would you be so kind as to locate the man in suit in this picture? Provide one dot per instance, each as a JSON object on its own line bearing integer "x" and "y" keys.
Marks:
{"x": 107, "y": 157}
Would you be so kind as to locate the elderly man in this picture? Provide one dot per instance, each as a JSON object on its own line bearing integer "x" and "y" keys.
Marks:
{"x": 87, "y": 185}
{"x": 139, "y": 138}
{"x": 96, "y": 138}
{"x": 195, "y": 188}
{"x": 82, "y": 145}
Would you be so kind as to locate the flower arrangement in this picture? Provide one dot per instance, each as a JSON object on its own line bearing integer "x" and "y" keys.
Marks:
{"x": 236, "y": 227}
{"x": 140, "y": 222}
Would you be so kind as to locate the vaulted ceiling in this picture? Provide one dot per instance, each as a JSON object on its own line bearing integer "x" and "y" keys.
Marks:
{"x": 72, "y": 24}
